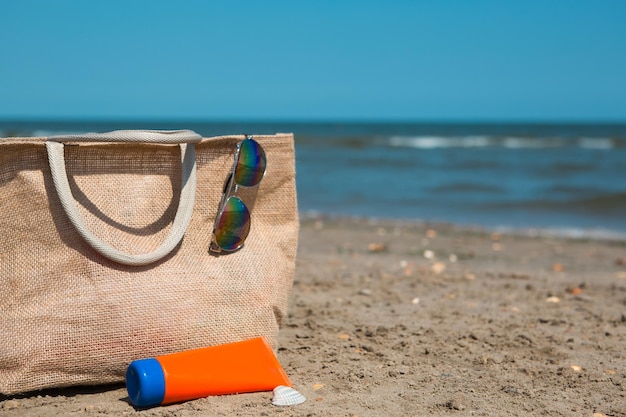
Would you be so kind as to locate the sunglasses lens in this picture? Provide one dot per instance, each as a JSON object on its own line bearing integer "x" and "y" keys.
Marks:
{"x": 233, "y": 225}
{"x": 250, "y": 164}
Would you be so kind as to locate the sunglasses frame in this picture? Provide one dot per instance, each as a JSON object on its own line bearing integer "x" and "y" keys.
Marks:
{"x": 230, "y": 190}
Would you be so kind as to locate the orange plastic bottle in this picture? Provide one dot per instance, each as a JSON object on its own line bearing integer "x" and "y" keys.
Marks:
{"x": 232, "y": 368}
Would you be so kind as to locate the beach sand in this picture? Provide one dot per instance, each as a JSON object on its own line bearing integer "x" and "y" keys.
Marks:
{"x": 405, "y": 319}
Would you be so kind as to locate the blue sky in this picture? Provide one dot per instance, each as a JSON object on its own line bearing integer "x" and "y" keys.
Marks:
{"x": 384, "y": 60}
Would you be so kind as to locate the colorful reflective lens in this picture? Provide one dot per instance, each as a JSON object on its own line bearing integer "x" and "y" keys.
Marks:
{"x": 251, "y": 163}
{"x": 233, "y": 225}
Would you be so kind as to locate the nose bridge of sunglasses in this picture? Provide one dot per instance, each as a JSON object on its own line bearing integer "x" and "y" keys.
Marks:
{"x": 246, "y": 194}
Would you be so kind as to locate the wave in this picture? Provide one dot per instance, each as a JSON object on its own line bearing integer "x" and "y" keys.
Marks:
{"x": 507, "y": 142}
{"x": 594, "y": 233}
{"x": 609, "y": 204}
{"x": 531, "y": 143}
{"x": 567, "y": 168}
{"x": 466, "y": 187}
{"x": 596, "y": 143}
{"x": 432, "y": 142}
{"x": 568, "y": 189}
{"x": 38, "y": 132}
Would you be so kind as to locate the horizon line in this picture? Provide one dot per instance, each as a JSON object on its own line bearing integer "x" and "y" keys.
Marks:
{"x": 313, "y": 120}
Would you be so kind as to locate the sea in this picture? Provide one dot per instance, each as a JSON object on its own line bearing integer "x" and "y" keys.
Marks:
{"x": 565, "y": 178}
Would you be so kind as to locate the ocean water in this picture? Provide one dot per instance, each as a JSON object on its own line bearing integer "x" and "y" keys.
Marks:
{"x": 564, "y": 177}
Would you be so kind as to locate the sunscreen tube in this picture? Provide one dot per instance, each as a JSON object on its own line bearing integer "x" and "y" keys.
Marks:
{"x": 232, "y": 368}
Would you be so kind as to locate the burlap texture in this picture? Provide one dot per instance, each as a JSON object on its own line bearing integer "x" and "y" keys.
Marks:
{"x": 69, "y": 316}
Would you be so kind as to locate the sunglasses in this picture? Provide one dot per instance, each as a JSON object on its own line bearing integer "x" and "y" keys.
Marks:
{"x": 232, "y": 223}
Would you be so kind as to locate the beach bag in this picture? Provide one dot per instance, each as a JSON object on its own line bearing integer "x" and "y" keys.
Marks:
{"x": 104, "y": 252}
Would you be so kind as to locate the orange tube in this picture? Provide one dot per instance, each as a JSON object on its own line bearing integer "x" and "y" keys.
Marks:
{"x": 232, "y": 368}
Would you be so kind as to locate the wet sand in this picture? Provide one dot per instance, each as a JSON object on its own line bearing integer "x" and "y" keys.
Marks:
{"x": 404, "y": 319}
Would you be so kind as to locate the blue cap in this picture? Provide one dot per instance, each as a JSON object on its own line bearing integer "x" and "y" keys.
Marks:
{"x": 145, "y": 383}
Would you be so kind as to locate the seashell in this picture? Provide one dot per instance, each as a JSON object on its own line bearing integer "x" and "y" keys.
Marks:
{"x": 438, "y": 267}
{"x": 287, "y": 396}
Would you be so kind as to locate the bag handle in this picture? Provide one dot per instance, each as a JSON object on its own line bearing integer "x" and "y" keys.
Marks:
{"x": 137, "y": 136}
{"x": 185, "y": 138}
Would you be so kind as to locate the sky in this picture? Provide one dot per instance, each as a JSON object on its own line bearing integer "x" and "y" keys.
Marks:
{"x": 559, "y": 60}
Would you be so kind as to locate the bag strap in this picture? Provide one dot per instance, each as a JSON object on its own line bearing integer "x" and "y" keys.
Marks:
{"x": 185, "y": 138}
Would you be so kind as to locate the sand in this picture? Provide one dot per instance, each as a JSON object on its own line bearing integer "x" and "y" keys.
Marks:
{"x": 405, "y": 319}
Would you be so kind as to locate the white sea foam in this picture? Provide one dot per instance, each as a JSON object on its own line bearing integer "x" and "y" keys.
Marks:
{"x": 596, "y": 143}
{"x": 434, "y": 142}
{"x": 519, "y": 143}
{"x": 508, "y": 142}
{"x": 437, "y": 142}
{"x": 565, "y": 232}
{"x": 531, "y": 143}
{"x": 49, "y": 133}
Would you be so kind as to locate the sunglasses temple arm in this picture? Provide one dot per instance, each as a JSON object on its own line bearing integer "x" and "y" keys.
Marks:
{"x": 213, "y": 246}
{"x": 228, "y": 189}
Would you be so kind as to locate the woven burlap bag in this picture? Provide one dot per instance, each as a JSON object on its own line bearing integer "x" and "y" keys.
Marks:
{"x": 77, "y": 306}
